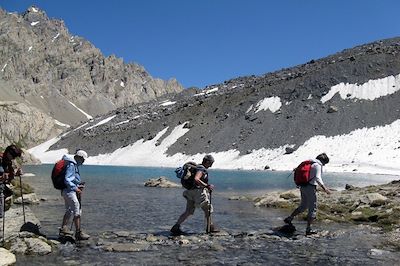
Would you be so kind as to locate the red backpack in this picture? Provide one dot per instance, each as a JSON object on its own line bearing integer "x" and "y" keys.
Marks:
{"x": 58, "y": 174}
{"x": 302, "y": 173}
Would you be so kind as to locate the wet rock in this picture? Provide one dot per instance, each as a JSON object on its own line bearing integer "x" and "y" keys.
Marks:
{"x": 183, "y": 242}
{"x": 378, "y": 252}
{"x": 28, "y": 199}
{"x": 374, "y": 199}
{"x": 37, "y": 246}
{"x": 28, "y": 244}
{"x": 289, "y": 150}
{"x": 349, "y": 187}
{"x": 162, "y": 182}
{"x": 332, "y": 109}
{"x": 125, "y": 247}
{"x": 6, "y": 257}
{"x": 122, "y": 233}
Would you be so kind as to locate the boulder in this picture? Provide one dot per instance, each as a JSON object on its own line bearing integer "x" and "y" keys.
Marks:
{"x": 374, "y": 199}
{"x": 28, "y": 244}
{"x": 28, "y": 199}
{"x": 6, "y": 257}
{"x": 162, "y": 182}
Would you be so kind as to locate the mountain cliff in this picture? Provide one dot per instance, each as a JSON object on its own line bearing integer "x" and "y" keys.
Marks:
{"x": 64, "y": 76}
{"x": 345, "y": 104}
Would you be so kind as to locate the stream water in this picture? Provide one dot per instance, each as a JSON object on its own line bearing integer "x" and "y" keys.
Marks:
{"x": 115, "y": 200}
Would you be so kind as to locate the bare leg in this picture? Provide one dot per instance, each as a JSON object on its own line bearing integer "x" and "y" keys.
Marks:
{"x": 65, "y": 221}
{"x": 183, "y": 217}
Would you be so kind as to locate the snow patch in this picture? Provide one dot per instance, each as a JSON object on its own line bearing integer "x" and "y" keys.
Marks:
{"x": 102, "y": 122}
{"x": 61, "y": 124}
{"x": 248, "y": 110}
{"x": 34, "y": 23}
{"x": 44, "y": 155}
{"x": 145, "y": 153}
{"x": 4, "y": 67}
{"x": 167, "y": 103}
{"x": 123, "y": 122}
{"x": 272, "y": 103}
{"x": 55, "y": 37}
{"x": 33, "y": 9}
{"x": 80, "y": 110}
{"x": 30, "y": 48}
{"x": 370, "y": 90}
{"x": 122, "y": 84}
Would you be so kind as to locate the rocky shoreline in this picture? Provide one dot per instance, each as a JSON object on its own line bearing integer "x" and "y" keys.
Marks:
{"x": 375, "y": 205}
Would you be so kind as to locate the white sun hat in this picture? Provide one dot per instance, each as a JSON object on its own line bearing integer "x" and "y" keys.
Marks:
{"x": 82, "y": 154}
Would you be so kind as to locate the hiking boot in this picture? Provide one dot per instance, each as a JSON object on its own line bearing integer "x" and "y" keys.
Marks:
{"x": 309, "y": 231}
{"x": 288, "y": 220}
{"x": 176, "y": 230}
{"x": 64, "y": 231}
{"x": 214, "y": 229}
{"x": 79, "y": 235}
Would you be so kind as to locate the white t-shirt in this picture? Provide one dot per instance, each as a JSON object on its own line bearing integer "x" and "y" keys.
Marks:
{"x": 316, "y": 173}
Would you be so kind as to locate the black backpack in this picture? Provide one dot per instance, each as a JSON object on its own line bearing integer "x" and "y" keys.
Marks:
{"x": 186, "y": 174}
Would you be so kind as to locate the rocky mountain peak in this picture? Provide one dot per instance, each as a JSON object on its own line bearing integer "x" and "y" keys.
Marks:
{"x": 65, "y": 76}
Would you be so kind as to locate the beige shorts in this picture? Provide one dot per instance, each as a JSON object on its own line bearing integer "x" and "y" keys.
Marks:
{"x": 199, "y": 197}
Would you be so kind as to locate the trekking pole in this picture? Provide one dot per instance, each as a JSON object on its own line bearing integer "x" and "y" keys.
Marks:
{"x": 208, "y": 229}
{"x": 3, "y": 213}
{"x": 22, "y": 197}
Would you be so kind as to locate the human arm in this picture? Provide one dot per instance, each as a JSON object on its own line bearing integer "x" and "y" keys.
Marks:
{"x": 199, "y": 182}
{"x": 318, "y": 178}
{"x": 70, "y": 178}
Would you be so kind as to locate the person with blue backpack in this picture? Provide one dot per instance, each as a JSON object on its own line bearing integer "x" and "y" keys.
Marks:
{"x": 72, "y": 193}
{"x": 197, "y": 193}
{"x": 307, "y": 176}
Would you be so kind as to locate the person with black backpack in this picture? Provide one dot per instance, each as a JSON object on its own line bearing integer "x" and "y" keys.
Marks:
{"x": 307, "y": 176}
{"x": 197, "y": 195}
{"x": 72, "y": 193}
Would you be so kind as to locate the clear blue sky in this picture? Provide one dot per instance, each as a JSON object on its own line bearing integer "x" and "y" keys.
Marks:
{"x": 203, "y": 42}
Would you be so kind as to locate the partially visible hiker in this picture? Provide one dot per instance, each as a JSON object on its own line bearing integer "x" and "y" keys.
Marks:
{"x": 10, "y": 167}
{"x": 309, "y": 192}
{"x": 198, "y": 195}
{"x": 71, "y": 195}
{"x": 8, "y": 170}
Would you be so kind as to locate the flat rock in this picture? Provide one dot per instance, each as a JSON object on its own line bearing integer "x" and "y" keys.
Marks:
{"x": 6, "y": 257}
{"x": 28, "y": 199}
{"x": 162, "y": 182}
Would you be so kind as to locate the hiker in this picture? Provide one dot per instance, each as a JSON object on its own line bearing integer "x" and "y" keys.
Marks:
{"x": 72, "y": 194}
{"x": 9, "y": 155}
{"x": 8, "y": 172}
{"x": 309, "y": 192}
{"x": 198, "y": 195}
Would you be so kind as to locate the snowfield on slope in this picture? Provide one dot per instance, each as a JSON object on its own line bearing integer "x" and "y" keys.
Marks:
{"x": 367, "y": 150}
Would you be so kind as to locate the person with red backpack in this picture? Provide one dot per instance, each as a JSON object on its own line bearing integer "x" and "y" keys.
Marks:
{"x": 307, "y": 176}
{"x": 71, "y": 194}
{"x": 8, "y": 172}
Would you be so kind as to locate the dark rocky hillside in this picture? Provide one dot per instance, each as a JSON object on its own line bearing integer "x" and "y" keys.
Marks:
{"x": 222, "y": 120}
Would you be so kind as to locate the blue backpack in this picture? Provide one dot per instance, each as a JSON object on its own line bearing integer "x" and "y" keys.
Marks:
{"x": 186, "y": 174}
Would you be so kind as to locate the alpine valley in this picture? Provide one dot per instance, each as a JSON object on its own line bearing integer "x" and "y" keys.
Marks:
{"x": 346, "y": 104}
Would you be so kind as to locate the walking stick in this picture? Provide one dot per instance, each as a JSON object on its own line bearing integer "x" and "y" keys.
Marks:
{"x": 22, "y": 196}
{"x": 208, "y": 229}
{"x": 3, "y": 213}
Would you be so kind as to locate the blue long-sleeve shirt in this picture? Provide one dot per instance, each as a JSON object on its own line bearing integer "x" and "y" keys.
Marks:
{"x": 72, "y": 177}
